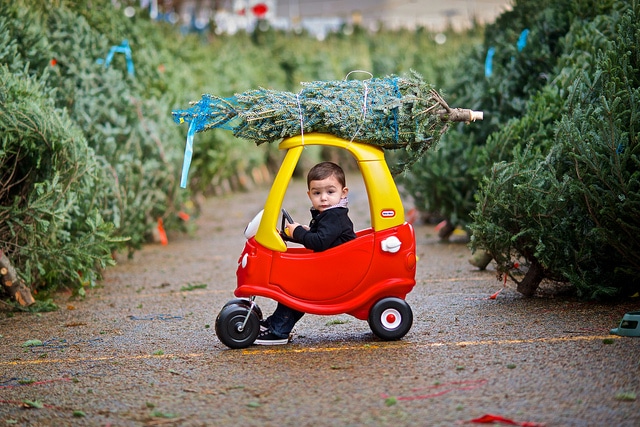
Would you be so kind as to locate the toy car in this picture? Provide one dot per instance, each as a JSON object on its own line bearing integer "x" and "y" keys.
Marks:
{"x": 374, "y": 272}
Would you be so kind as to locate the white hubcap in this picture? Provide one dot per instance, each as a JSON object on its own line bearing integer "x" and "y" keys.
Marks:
{"x": 390, "y": 318}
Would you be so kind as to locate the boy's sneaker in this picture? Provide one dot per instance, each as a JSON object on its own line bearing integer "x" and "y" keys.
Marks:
{"x": 268, "y": 338}
{"x": 264, "y": 326}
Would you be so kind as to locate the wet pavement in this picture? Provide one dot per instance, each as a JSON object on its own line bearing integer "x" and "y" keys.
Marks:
{"x": 141, "y": 350}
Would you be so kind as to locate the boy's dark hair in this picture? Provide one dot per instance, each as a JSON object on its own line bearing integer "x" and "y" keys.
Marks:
{"x": 324, "y": 170}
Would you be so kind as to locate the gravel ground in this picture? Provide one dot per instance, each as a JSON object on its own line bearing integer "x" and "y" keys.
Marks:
{"x": 141, "y": 350}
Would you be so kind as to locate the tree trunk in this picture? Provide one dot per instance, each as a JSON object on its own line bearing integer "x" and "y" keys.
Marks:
{"x": 531, "y": 280}
{"x": 445, "y": 230}
{"x": 12, "y": 285}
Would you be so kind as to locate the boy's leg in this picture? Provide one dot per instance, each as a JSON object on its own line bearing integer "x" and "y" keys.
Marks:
{"x": 276, "y": 328}
{"x": 283, "y": 319}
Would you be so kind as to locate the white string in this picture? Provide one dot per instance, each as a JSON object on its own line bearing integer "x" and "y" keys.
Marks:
{"x": 358, "y": 71}
{"x": 364, "y": 112}
{"x": 301, "y": 119}
{"x": 364, "y": 103}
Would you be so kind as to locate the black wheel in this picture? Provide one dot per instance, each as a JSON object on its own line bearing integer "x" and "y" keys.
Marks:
{"x": 390, "y": 318}
{"x": 229, "y": 326}
{"x": 247, "y": 303}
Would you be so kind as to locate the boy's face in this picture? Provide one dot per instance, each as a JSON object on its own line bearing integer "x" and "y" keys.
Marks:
{"x": 326, "y": 192}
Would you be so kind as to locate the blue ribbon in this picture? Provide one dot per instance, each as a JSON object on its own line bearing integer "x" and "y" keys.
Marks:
{"x": 122, "y": 48}
{"x": 395, "y": 110}
{"x": 522, "y": 40}
{"x": 188, "y": 154}
{"x": 488, "y": 62}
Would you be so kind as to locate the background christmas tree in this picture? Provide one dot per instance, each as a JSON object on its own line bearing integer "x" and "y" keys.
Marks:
{"x": 566, "y": 203}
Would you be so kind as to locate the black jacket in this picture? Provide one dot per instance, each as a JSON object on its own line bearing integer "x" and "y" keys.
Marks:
{"x": 326, "y": 230}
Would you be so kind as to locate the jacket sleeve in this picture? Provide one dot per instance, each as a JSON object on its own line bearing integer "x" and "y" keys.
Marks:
{"x": 328, "y": 231}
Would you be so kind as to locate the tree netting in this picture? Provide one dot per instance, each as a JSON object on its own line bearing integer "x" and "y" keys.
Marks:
{"x": 391, "y": 112}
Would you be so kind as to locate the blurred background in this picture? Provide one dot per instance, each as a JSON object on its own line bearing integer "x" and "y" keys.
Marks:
{"x": 91, "y": 155}
{"x": 319, "y": 17}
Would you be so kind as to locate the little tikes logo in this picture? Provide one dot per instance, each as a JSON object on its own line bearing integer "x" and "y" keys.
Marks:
{"x": 387, "y": 213}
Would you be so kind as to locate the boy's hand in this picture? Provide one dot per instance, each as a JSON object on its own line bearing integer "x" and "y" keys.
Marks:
{"x": 291, "y": 227}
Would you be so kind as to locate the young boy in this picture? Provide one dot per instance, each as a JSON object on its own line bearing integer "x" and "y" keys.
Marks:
{"x": 330, "y": 226}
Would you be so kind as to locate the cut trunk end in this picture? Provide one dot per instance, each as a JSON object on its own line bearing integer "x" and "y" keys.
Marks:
{"x": 12, "y": 285}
